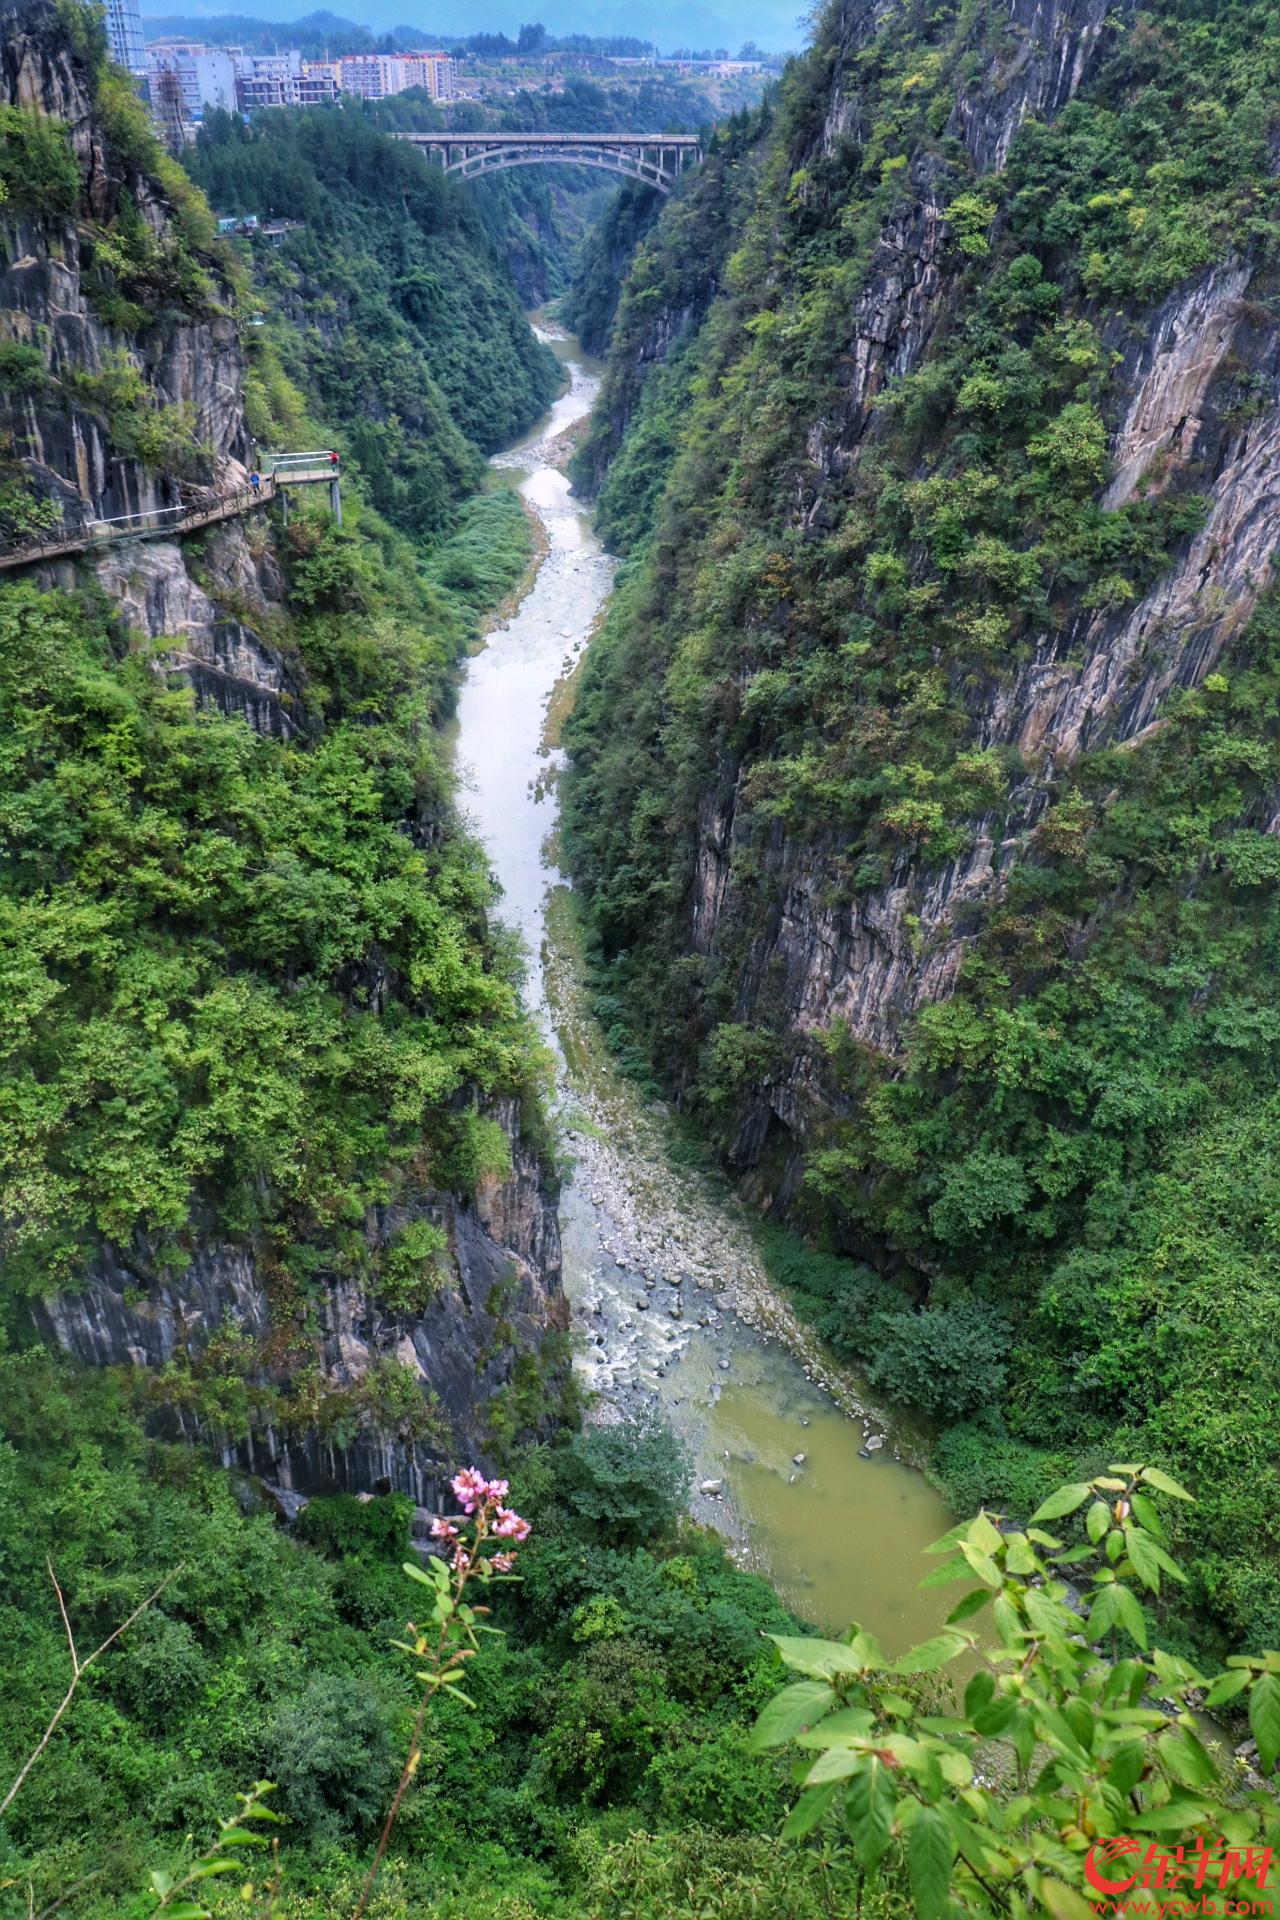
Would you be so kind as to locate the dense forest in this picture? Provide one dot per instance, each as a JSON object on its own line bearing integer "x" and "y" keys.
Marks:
{"x": 923, "y": 781}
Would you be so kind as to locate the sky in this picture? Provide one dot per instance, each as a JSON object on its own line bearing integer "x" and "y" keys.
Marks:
{"x": 776, "y": 25}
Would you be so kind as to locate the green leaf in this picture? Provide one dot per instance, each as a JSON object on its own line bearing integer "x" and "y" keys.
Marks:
{"x": 790, "y": 1712}
{"x": 821, "y": 1659}
{"x": 837, "y": 1763}
{"x": 1064, "y": 1501}
{"x": 1008, "y": 1622}
{"x": 1180, "y": 1814}
{"x": 839, "y": 1729}
{"x": 955, "y": 1569}
{"x": 1226, "y": 1687}
{"x": 1126, "y": 1765}
{"x": 984, "y": 1535}
{"x": 1186, "y": 1759}
{"x": 1264, "y": 1718}
{"x": 1148, "y": 1516}
{"x": 929, "y": 1857}
{"x": 1163, "y": 1484}
{"x": 1097, "y": 1520}
{"x": 931, "y": 1654}
{"x": 966, "y": 1608}
{"x": 1143, "y": 1555}
{"x": 981, "y": 1563}
{"x": 991, "y": 1721}
{"x": 808, "y": 1810}
{"x": 869, "y": 1806}
{"x": 979, "y": 1693}
{"x": 1116, "y": 1606}
{"x": 1063, "y": 1902}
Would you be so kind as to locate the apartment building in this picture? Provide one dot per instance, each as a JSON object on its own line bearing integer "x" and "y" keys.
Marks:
{"x": 206, "y": 76}
{"x": 374, "y": 76}
{"x": 124, "y": 35}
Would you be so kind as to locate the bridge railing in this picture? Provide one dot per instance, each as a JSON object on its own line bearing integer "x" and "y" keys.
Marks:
{"x": 278, "y": 471}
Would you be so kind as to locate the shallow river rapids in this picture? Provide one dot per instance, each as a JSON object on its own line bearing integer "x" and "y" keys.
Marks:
{"x": 793, "y": 1463}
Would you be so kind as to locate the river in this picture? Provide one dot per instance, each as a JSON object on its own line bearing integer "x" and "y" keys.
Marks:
{"x": 793, "y": 1463}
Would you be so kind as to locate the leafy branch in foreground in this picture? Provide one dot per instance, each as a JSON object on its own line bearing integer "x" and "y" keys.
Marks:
{"x": 1064, "y": 1774}
{"x": 222, "y": 1857}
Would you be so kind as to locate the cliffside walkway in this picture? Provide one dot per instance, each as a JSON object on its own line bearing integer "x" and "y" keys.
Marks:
{"x": 656, "y": 158}
{"x": 279, "y": 472}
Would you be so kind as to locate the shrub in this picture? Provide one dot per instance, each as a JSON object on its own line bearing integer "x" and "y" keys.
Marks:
{"x": 38, "y": 171}
{"x": 411, "y": 1272}
{"x": 627, "y": 1483}
{"x": 329, "y": 1751}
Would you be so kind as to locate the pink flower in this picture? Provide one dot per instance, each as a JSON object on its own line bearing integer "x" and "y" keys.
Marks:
{"x": 469, "y": 1486}
{"x": 509, "y": 1525}
{"x": 503, "y": 1562}
{"x": 443, "y": 1530}
{"x": 496, "y": 1490}
{"x": 461, "y": 1559}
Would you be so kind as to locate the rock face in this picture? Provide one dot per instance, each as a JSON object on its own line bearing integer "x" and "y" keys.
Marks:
{"x": 56, "y": 285}
{"x": 501, "y": 1296}
{"x": 815, "y": 954}
{"x": 212, "y": 608}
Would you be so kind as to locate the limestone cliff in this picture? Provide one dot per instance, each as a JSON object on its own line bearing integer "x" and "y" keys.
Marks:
{"x": 860, "y": 290}
{"x": 123, "y": 391}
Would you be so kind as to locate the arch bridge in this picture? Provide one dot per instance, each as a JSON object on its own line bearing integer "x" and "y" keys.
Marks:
{"x": 656, "y": 158}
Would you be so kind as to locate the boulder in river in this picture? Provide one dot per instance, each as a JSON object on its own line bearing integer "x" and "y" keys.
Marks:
{"x": 798, "y": 1459}
{"x": 711, "y": 1487}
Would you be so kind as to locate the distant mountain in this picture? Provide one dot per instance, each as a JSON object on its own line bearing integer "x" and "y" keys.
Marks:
{"x": 776, "y": 25}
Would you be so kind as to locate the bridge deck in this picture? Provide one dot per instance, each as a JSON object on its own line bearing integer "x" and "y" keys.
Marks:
{"x": 683, "y": 142}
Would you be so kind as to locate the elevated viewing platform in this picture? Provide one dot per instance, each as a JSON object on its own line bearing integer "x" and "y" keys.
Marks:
{"x": 279, "y": 472}
{"x": 656, "y": 158}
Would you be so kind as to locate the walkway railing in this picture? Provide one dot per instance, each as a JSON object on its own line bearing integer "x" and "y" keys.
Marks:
{"x": 280, "y": 471}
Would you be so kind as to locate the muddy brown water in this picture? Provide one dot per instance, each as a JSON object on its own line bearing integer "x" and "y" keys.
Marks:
{"x": 670, "y": 1302}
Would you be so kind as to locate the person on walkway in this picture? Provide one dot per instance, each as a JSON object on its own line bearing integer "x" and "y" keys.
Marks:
{"x": 333, "y": 461}
{"x": 255, "y": 481}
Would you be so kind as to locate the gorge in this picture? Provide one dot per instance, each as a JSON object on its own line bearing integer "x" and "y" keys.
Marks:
{"x": 710, "y": 949}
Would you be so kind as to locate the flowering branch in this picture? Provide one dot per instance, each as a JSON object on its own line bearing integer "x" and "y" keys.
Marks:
{"x": 450, "y": 1637}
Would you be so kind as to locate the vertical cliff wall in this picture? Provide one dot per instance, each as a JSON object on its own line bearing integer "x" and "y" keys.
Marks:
{"x": 375, "y": 1339}
{"x": 924, "y": 782}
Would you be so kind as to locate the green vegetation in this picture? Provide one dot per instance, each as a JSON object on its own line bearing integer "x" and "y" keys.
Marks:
{"x": 401, "y": 322}
{"x": 607, "y": 1751}
{"x": 1065, "y": 1184}
{"x": 182, "y": 897}
{"x": 1081, "y": 1757}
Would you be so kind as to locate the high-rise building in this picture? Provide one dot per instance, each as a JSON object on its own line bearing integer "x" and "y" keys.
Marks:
{"x": 375, "y": 75}
{"x": 124, "y": 35}
{"x": 205, "y": 75}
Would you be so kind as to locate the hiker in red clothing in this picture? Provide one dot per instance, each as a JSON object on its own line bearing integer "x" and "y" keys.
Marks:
{"x": 333, "y": 461}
